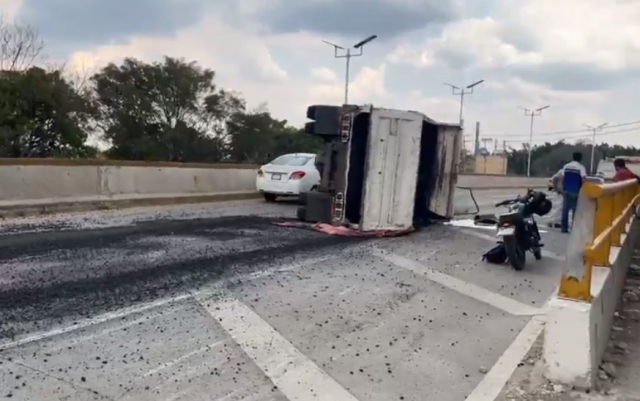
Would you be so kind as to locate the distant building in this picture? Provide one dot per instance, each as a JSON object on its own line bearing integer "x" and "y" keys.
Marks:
{"x": 487, "y": 164}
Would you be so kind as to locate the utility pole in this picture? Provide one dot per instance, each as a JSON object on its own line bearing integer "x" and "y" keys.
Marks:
{"x": 532, "y": 114}
{"x": 475, "y": 153}
{"x": 347, "y": 54}
{"x": 468, "y": 90}
{"x": 485, "y": 141}
{"x": 504, "y": 155}
{"x": 593, "y": 143}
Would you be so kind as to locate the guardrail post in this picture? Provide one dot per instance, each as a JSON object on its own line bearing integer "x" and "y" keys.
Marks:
{"x": 575, "y": 283}
{"x": 604, "y": 218}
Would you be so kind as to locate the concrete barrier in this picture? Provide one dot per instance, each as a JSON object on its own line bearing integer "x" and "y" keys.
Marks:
{"x": 31, "y": 186}
{"x": 35, "y": 186}
{"x": 580, "y": 317}
{"x": 493, "y": 181}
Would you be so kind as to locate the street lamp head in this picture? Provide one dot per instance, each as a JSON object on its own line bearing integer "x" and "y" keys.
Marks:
{"x": 475, "y": 84}
{"x": 364, "y": 42}
{"x": 603, "y": 125}
{"x": 542, "y": 108}
{"x": 453, "y": 86}
{"x": 333, "y": 44}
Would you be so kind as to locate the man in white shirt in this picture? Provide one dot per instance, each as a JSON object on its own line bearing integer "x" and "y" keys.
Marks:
{"x": 572, "y": 175}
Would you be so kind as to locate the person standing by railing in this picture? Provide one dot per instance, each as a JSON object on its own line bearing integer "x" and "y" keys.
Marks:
{"x": 622, "y": 172}
{"x": 572, "y": 175}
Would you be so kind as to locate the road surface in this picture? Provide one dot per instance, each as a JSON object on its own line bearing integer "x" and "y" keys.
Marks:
{"x": 213, "y": 302}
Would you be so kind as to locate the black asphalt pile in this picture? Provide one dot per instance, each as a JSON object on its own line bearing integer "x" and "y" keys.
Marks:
{"x": 64, "y": 275}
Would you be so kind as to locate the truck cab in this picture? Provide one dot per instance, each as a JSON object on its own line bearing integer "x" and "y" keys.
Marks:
{"x": 381, "y": 169}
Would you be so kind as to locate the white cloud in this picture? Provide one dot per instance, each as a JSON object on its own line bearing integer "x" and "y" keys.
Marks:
{"x": 293, "y": 70}
{"x": 9, "y": 8}
{"x": 324, "y": 75}
{"x": 601, "y": 32}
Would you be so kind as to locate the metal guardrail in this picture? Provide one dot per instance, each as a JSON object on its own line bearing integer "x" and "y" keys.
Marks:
{"x": 615, "y": 204}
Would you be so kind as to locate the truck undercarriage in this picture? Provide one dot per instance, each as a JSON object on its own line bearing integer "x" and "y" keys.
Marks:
{"x": 381, "y": 169}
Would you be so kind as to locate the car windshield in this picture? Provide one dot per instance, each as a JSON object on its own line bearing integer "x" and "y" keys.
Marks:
{"x": 291, "y": 160}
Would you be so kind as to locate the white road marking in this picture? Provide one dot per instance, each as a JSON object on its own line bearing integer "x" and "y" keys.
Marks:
{"x": 494, "y": 381}
{"x": 493, "y": 238}
{"x": 501, "y": 302}
{"x": 122, "y": 313}
{"x": 295, "y": 375}
{"x": 93, "y": 321}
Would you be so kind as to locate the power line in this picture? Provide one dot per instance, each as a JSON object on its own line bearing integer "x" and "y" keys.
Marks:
{"x": 578, "y": 131}
{"x": 634, "y": 129}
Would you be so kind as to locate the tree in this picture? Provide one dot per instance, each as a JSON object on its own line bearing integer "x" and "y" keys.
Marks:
{"x": 41, "y": 115}
{"x": 257, "y": 137}
{"x": 163, "y": 111}
{"x": 548, "y": 158}
{"x": 20, "y": 46}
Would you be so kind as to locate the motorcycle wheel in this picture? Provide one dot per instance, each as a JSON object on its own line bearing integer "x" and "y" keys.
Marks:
{"x": 515, "y": 253}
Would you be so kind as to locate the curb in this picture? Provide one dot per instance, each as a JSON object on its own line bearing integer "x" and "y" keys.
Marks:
{"x": 86, "y": 206}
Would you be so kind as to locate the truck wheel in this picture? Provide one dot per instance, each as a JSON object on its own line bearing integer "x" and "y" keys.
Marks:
{"x": 269, "y": 197}
{"x": 302, "y": 198}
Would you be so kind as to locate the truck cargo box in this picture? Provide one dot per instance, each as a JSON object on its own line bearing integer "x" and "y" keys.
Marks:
{"x": 384, "y": 169}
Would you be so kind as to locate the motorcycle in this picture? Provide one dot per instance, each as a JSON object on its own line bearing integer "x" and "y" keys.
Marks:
{"x": 518, "y": 228}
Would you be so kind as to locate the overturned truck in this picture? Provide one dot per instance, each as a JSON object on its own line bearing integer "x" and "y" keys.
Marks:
{"x": 381, "y": 169}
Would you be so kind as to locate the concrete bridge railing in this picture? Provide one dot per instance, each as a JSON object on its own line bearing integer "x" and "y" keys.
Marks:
{"x": 599, "y": 253}
{"x": 35, "y": 186}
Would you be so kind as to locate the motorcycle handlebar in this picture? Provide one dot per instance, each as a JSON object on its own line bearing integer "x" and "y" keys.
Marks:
{"x": 530, "y": 192}
{"x": 507, "y": 202}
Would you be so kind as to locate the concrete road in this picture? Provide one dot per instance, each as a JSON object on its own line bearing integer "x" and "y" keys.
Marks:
{"x": 213, "y": 302}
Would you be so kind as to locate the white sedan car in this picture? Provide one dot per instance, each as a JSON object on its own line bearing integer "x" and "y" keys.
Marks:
{"x": 288, "y": 175}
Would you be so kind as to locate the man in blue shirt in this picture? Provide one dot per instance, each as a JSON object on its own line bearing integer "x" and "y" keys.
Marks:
{"x": 572, "y": 176}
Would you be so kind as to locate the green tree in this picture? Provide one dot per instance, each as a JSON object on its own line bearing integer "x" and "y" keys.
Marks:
{"x": 548, "y": 158}
{"x": 169, "y": 110}
{"x": 257, "y": 137}
{"x": 42, "y": 115}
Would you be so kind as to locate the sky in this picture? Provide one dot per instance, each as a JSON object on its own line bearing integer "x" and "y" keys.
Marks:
{"x": 580, "y": 57}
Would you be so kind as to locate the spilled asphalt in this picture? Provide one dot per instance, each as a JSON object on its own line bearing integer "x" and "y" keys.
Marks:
{"x": 380, "y": 330}
{"x": 54, "y": 276}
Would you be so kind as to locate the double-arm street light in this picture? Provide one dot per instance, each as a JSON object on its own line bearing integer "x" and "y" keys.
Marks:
{"x": 341, "y": 52}
{"x": 532, "y": 114}
{"x": 458, "y": 91}
{"x": 593, "y": 143}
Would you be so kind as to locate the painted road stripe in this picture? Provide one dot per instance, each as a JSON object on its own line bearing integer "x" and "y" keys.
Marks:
{"x": 295, "y": 375}
{"x": 506, "y": 304}
{"x": 125, "y": 312}
{"x": 494, "y": 381}
{"x": 122, "y": 313}
{"x": 493, "y": 238}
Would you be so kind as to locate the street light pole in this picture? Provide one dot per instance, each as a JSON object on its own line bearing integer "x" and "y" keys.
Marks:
{"x": 532, "y": 114}
{"x": 458, "y": 91}
{"x": 347, "y": 54}
{"x": 593, "y": 143}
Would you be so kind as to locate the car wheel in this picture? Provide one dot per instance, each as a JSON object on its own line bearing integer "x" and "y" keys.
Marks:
{"x": 269, "y": 197}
